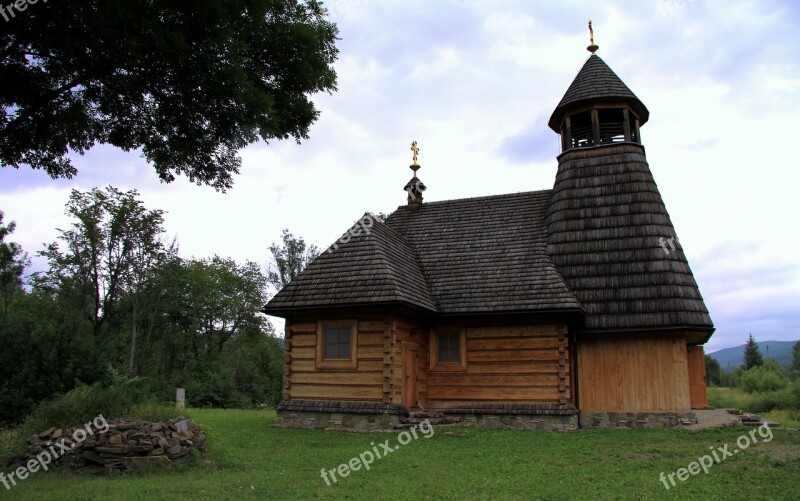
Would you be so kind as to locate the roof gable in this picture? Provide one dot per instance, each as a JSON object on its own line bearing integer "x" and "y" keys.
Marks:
{"x": 369, "y": 264}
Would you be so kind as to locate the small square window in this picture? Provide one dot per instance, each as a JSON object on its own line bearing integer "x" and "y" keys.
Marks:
{"x": 337, "y": 343}
{"x": 450, "y": 348}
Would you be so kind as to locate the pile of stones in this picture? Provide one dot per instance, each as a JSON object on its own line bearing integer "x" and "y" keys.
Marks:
{"x": 122, "y": 444}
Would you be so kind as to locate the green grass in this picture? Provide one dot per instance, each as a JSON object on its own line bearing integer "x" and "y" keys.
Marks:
{"x": 728, "y": 398}
{"x": 257, "y": 461}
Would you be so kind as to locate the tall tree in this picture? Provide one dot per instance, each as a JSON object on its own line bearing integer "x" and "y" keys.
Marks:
{"x": 713, "y": 370}
{"x": 111, "y": 234}
{"x": 145, "y": 279}
{"x": 796, "y": 359}
{"x": 289, "y": 259}
{"x": 186, "y": 83}
{"x": 12, "y": 265}
{"x": 214, "y": 300}
{"x": 752, "y": 354}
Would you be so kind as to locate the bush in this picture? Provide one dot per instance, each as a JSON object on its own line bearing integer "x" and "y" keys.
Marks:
{"x": 786, "y": 398}
{"x": 763, "y": 379}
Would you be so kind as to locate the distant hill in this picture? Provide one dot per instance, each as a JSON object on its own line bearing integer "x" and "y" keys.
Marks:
{"x": 731, "y": 358}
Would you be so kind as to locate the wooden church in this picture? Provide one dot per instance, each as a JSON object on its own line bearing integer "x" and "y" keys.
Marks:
{"x": 552, "y": 309}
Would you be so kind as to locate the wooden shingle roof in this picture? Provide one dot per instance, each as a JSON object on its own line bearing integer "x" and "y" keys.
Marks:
{"x": 475, "y": 255}
{"x": 605, "y": 226}
{"x": 370, "y": 265}
{"x": 486, "y": 254}
{"x": 596, "y": 83}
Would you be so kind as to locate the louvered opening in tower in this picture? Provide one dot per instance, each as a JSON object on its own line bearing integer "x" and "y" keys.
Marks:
{"x": 599, "y": 125}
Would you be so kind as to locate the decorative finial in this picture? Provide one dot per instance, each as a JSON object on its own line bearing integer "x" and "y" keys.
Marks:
{"x": 415, "y": 152}
{"x": 593, "y": 47}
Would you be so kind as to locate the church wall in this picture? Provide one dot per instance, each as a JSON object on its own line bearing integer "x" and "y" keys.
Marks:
{"x": 524, "y": 364}
{"x": 633, "y": 373}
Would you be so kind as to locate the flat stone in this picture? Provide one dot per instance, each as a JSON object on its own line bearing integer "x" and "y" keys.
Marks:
{"x": 93, "y": 457}
{"x": 47, "y": 433}
{"x": 115, "y": 449}
{"x": 144, "y": 462}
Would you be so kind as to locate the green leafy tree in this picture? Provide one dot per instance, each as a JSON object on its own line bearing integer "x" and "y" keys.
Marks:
{"x": 217, "y": 343}
{"x": 289, "y": 259}
{"x": 145, "y": 280}
{"x": 752, "y": 354}
{"x": 12, "y": 266}
{"x": 186, "y": 83}
{"x": 796, "y": 359}
{"x": 713, "y": 370}
{"x": 111, "y": 235}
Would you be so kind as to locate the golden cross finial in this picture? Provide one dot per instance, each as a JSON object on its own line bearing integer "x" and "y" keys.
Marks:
{"x": 592, "y": 47}
{"x": 415, "y": 152}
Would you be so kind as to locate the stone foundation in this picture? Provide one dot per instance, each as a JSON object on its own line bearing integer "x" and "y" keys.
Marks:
{"x": 373, "y": 417}
{"x": 517, "y": 415}
{"x": 605, "y": 420}
{"x": 338, "y": 421}
{"x": 519, "y": 421}
{"x": 340, "y": 416}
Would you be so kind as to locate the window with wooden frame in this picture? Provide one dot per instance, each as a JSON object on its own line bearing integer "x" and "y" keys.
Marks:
{"x": 448, "y": 349}
{"x": 336, "y": 344}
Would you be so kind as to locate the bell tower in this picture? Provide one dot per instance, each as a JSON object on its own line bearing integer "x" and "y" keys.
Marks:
{"x": 609, "y": 233}
{"x": 612, "y": 240}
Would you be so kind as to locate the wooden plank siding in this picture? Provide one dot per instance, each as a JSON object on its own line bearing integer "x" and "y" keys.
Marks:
{"x": 507, "y": 364}
{"x": 633, "y": 373}
{"x": 697, "y": 378}
{"x": 303, "y": 380}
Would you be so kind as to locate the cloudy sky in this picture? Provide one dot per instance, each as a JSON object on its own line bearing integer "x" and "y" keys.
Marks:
{"x": 474, "y": 82}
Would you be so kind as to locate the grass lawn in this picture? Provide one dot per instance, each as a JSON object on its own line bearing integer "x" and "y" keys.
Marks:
{"x": 257, "y": 461}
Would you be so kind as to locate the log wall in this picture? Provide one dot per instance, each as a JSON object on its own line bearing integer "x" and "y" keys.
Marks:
{"x": 303, "y": 381}
{"x": 507, "y": 364}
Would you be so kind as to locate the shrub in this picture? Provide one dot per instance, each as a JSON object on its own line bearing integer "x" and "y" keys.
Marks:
{"x": 763, "y": 379}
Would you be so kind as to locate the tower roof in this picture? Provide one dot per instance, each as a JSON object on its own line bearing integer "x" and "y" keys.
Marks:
{"x": 596, "y": 83}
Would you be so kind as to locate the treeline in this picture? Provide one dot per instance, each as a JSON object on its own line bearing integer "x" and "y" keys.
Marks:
{"x": 116, "y": 294}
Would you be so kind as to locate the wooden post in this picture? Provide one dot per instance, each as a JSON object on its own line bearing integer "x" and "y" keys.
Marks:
{"x": 568, "y": 143}
{"x": 287, "y": 360}
{"x": 180, "y": 398}
{"x": 626, "y": 123}
{"x": 595, "y": 126}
